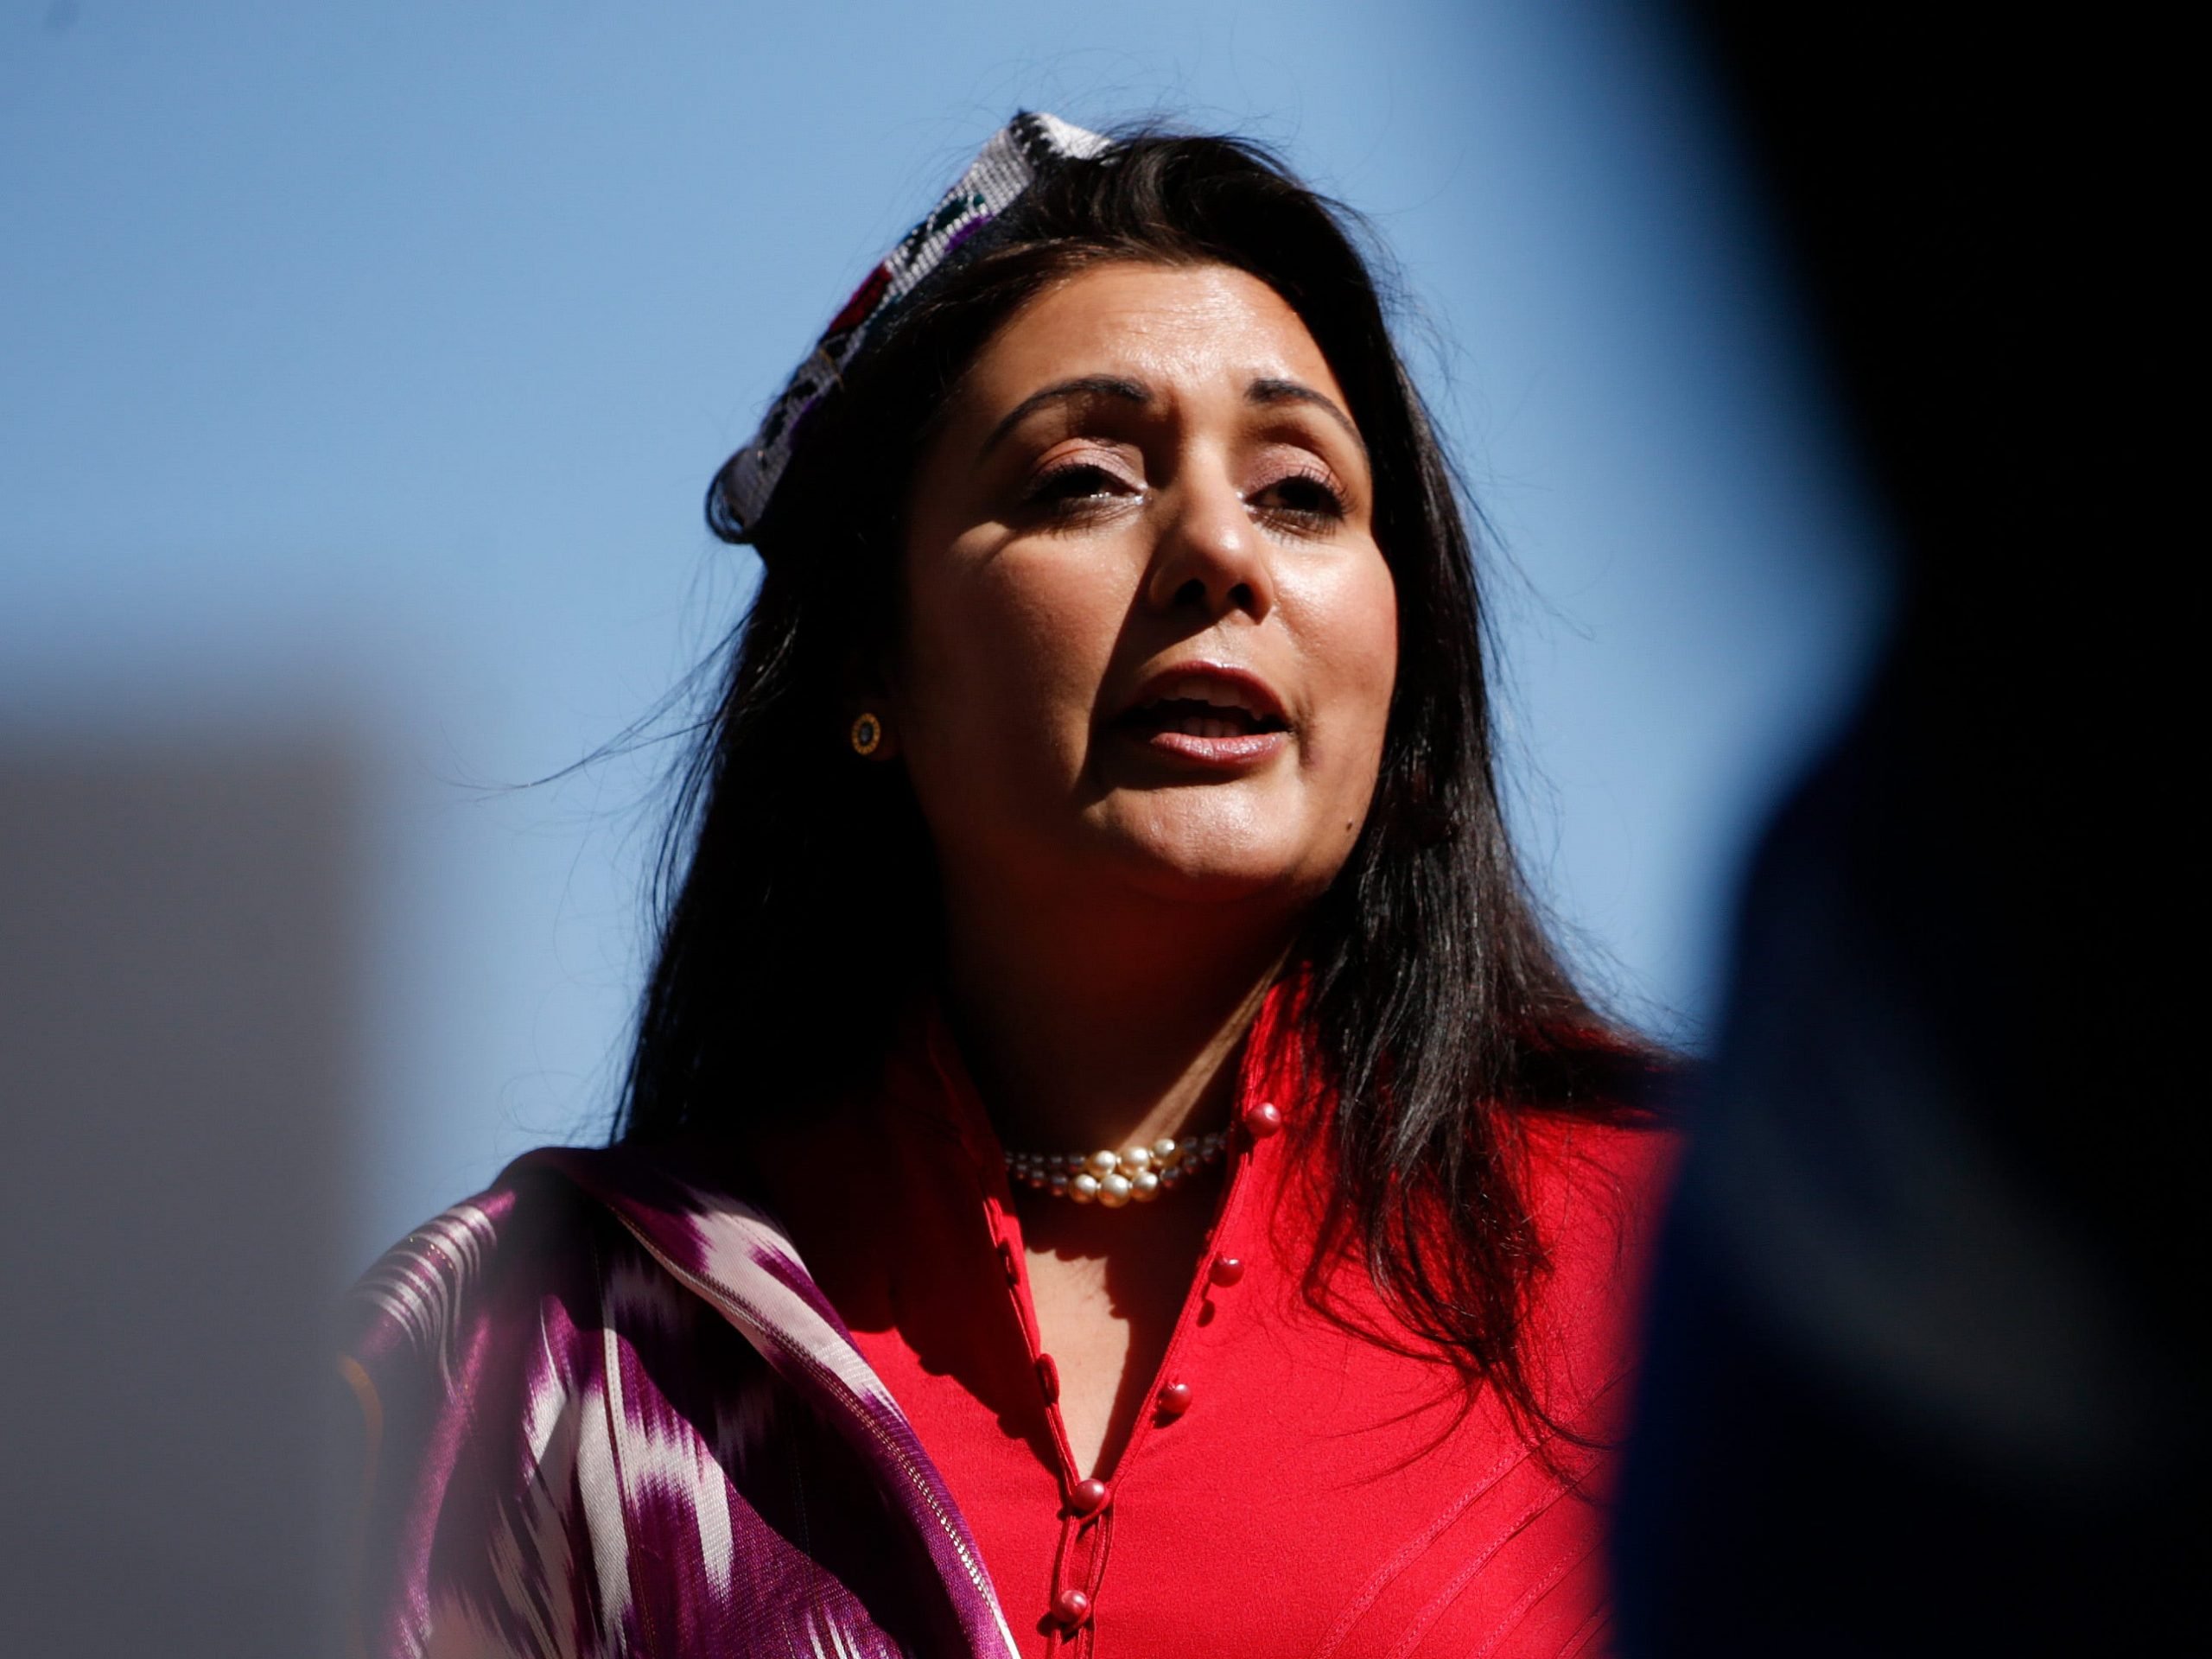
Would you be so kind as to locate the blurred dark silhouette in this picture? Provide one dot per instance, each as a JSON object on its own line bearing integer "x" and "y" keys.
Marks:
{"x": 1918, "y": 1377}
{"x": 179, "y": 942}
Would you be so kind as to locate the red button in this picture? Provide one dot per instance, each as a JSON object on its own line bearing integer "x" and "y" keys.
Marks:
{"x": 1175, "y": 1399}
{"x": 1048, "y": 1378}
{"x": 1227, "y": 1270}
{"x": 1087, "y": 1497}
{"x": 1071, "y": 1607}
{"x": 1262, "y": 1120}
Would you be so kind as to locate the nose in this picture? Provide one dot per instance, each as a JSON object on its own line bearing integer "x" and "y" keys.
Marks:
{"x": 1211, "y": 557}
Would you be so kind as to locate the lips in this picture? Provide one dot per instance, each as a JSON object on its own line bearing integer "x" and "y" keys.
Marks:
{"x": 1209, "y": 713}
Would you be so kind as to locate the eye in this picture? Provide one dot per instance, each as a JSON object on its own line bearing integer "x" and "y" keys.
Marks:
{"x": 1304, "y": 500}
{"x": 1078, "y": 487}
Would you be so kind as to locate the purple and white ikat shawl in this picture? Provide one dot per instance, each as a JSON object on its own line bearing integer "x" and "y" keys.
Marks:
{"x": 609, "y": 1413}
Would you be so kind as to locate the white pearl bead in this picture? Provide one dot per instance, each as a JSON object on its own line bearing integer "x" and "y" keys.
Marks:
{"x": 1136, "y": 1174}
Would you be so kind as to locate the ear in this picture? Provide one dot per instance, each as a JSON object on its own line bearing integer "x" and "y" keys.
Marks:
{"x": 871, "y": 725}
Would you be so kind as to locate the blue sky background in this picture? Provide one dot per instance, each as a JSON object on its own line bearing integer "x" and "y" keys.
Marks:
{"x": 361, "y": 368}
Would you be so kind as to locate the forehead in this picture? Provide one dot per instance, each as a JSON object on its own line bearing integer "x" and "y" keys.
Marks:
{"x": 1183, "y": 329}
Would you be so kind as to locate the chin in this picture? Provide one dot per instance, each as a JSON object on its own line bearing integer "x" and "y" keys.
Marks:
{"x": 1209, "y": 884}
{"x": 1209, "y": 864}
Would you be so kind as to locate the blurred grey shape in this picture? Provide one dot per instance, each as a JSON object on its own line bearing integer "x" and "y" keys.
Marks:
{"x": 177, "y": 1067}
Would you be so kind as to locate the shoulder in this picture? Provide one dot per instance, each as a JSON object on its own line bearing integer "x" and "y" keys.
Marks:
{"x": 419, "y": 1305}
{"x": 445, "y": 1348}
{"x": 507, "y": 1356}
{"x": 590, "y": 1390}
{"x": 561, "y": 1229}
{"x": 1596, "y": 1189}
{"x": 1624, "y": 1162}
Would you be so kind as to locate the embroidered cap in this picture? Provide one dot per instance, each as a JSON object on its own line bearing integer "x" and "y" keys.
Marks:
{"x": 1006, "y": 166}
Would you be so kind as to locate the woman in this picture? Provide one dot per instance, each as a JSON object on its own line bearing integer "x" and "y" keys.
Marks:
{"x": 1110, "y": 1162}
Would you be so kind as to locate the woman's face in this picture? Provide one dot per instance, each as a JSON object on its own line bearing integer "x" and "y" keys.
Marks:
{"x": 1149, "y": 640}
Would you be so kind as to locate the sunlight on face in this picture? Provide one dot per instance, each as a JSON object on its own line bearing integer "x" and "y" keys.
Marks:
{"x": 1150, "y": 639}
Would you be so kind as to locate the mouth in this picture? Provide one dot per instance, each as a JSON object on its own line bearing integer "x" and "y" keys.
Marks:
{"x": 1215, "y": 716}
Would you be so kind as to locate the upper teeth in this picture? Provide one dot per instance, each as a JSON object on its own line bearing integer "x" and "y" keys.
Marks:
{"x": 1221, "y": 695}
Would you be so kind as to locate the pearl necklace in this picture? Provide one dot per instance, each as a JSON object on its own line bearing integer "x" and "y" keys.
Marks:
{"x": 1138, "y": 1175}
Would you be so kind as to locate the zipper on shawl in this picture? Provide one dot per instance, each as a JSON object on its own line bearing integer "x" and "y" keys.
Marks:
{"x": 703, "y": 1285}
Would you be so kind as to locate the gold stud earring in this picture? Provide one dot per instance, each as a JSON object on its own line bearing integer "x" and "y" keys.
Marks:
{"x": 867, "y": 734}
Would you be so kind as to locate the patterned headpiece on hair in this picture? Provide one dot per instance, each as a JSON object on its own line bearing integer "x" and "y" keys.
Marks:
{"x": 1006, "y": 166}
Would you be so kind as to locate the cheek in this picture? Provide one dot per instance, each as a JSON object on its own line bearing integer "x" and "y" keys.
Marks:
{"x": 1006, "y": 655}
{"x": 1351, "y": 631}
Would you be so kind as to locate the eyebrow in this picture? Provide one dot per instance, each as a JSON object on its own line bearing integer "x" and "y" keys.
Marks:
{"x": 1060, "y": 391}
{"x": 1260, "y": 394}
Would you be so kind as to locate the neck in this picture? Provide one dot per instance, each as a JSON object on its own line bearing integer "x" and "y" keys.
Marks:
{"x": 1105, "y": 1026}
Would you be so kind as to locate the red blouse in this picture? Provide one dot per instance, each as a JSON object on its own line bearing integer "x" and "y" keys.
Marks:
{"x": 1299, "y": 1489}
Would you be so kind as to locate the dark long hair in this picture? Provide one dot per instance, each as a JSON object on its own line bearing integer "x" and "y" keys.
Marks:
{"x": 800, "y": 902}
